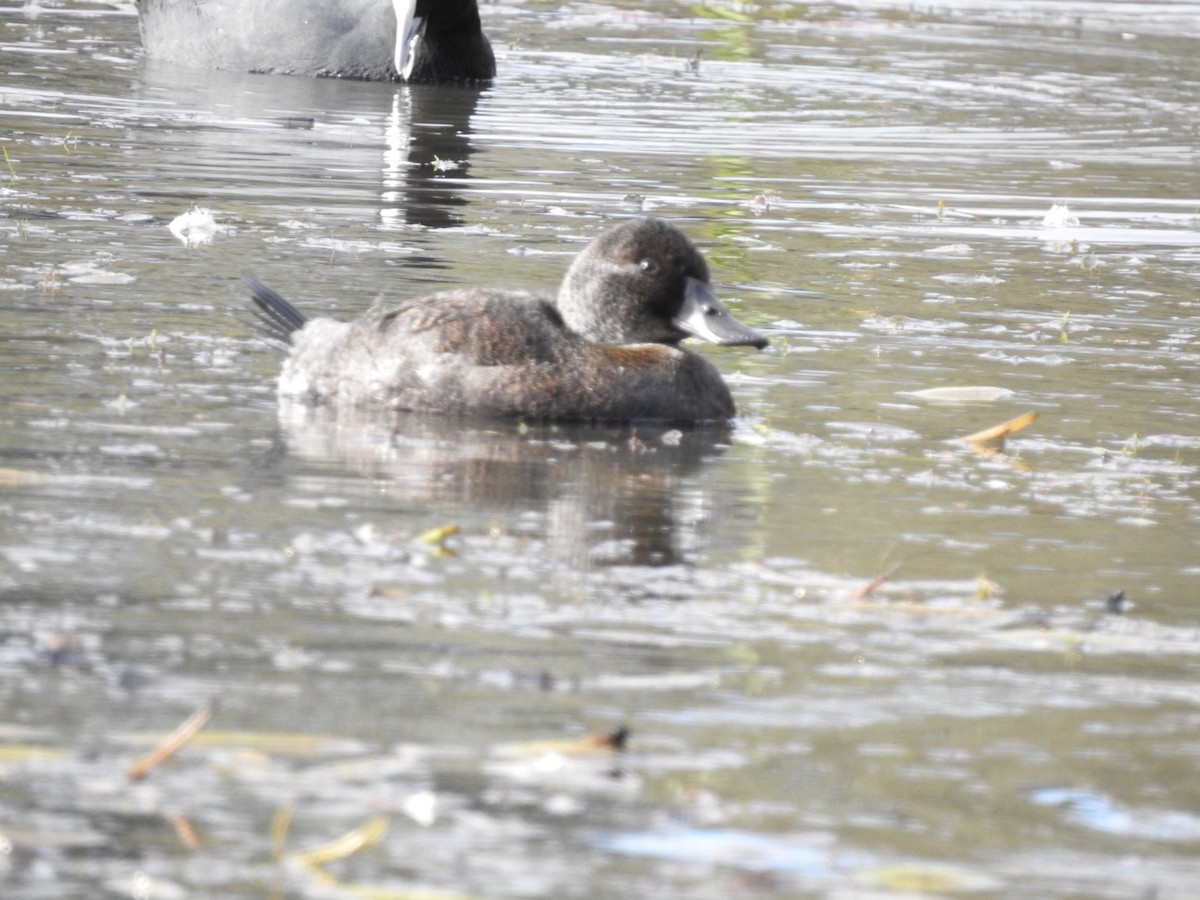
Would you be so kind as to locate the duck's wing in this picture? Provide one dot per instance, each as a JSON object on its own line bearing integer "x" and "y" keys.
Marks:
{"x": 476, "y": 327}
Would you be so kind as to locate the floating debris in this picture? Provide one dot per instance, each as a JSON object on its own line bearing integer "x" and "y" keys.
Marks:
{"x": 421, "y": 807}
{"x": 1117, "y": 603}
{"x": 104, "y": 277}
{"x": 439, "y": 534}
{"x": 185, "y": 831}
{"x": 195, "y": 227}
{"x": 173, "y": 743}
{"x": 761, "y": 204}
{"x": 367, "y": 834}
{"x": 609, "y": 742}
{"x": 873, "y": 585}
{"x": 881, "y": 579}
{"x": 962, "y": 394}
{"x": 436, "y": 538}
{"x": 281, "y": 824}
{"x": 996, "y": 435}
{"x": 1060, "y": 216}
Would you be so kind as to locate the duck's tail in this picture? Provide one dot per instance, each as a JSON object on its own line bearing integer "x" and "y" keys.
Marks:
{"x": 277, "y": 318}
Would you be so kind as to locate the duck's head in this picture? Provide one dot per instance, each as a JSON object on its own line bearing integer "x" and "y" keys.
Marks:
{"x": 645, "y": 282}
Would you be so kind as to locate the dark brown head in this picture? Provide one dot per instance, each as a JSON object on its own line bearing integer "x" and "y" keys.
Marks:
{"x": 645, "y": 282}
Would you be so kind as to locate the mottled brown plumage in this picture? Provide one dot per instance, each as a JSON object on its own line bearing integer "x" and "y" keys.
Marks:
{"x": 604, "y": 350}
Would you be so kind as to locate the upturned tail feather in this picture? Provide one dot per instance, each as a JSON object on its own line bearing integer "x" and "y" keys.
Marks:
{"x": 277, "y": 318}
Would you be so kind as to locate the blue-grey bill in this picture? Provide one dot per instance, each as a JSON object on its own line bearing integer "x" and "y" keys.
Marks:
{"x": 704, "y": 316}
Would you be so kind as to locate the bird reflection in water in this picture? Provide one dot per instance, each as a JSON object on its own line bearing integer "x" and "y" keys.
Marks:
{"x": 608, "y": 495}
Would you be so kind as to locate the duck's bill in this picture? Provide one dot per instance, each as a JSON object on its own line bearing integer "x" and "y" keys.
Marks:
{"x": 409, "y": 28}
{"x": 704, "y": 316}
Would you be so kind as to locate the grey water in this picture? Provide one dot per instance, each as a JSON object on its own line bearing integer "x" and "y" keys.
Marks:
{"x": 857, "y": 656}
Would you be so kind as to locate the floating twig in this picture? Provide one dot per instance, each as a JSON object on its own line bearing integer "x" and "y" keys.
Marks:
{"x": 370, "y": 832}
{"x": 172, "y": 744}
{"x": 184, "y": 831}
{"x": 281, "y": 824}
{"x": 998, "y": 433}
{"x": 879, "y": 580}
{"x": 611, "y": 742}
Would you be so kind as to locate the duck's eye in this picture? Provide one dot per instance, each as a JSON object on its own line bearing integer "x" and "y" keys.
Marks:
{"x": 648, "y": 266}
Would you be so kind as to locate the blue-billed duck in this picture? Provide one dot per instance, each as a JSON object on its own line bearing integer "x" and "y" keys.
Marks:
{"x": 605, "y": 349}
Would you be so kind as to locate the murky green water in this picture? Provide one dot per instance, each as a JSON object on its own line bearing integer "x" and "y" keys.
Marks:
{"x": 858, "y": 659}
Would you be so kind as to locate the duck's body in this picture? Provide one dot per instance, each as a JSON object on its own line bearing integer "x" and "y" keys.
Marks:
{"x": 420, "y": 41}
{"x": 495, "y": 354}
{"x": 605, "y": 350}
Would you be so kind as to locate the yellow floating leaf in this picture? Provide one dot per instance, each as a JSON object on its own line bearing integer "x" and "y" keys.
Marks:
{"x": 370, "y": 832}
{"x": 1003, "y": 430}
{"x": 439, "y": 534}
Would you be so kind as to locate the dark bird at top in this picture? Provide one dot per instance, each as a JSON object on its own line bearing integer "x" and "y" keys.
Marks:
{"x": 606, "y": 349}
{"x": 416, "y": 41}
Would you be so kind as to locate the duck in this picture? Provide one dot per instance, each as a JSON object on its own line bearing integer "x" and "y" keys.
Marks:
{"x": 606, "y": 348}
{"x": 414, "y": 41}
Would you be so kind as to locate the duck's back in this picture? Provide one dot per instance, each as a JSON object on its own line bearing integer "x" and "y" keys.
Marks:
{"x": 496, "y": 354}
{"x": 349, "y": 38}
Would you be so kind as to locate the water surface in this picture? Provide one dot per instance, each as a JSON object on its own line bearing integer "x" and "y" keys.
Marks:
{"x": 858, "y": 658}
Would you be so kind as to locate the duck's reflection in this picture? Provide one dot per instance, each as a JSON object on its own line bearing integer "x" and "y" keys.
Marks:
{"x": 428, "y": 154}
{"x": 246, "y": 137}
{"x": 608, "y": 495}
